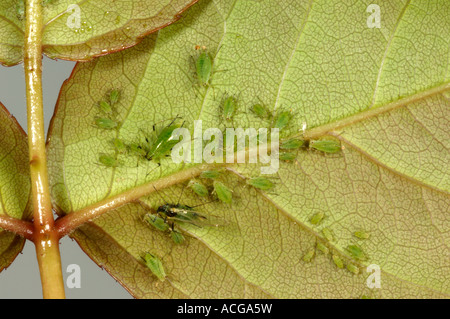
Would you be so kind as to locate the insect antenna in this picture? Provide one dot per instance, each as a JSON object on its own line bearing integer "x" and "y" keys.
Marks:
{"x": 173, "y": 120}
{"x": 202, "y": 204}
{"x": 179, "y": 198}
{"x": 159, "y": 194}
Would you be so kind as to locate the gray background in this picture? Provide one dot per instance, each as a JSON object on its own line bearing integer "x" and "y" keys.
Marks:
{"x": 21, "y": 279}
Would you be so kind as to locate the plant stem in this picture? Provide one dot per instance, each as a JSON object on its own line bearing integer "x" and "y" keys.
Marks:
{"x": 67, "y": 224}
{"x": 20, "y": 227}
{"x": 373, "y": 112}
{"x": 70, "y": 222}
{"x": 45, "y": 237}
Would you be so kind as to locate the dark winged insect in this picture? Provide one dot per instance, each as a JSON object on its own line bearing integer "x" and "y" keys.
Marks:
{"x": 172, "y": 213}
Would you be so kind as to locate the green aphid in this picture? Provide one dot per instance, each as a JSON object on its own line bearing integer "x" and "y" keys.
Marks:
{"x": 177, "y": 237}
{"x": 361, "y": 234}
{"x": 108, "y": 160}
{"x": 155, "y": 265}
{"x": 317, "y": 218}
{"x": 292, "y": 144}
{"x": 338, "y": 261}
{"x": 287, "y": 156}
{"x": 327, "y": 234}
{"x": 203, "y": 68}
{"x": 156, "y": 222}
{"x": 326, "y": 145}
{"x": 309, "y": 255}
{"x": 229, "y": 108}
{"x": 356, "y": 252}
{"x": 105, "y": 107}
{"x": 223, "y": 192}
{"x": 282, "y": 120}
{"x": 261, "y": 111}
{"x": 119, "y": 145}
{"x": 163, "y": 143}
{"x": 210, "y": 174}
{"x": 261, "y": 183}
{"x": 323, "y": 248}
{"x": 353, "y": 269}
{"x": 106, "y": 123}
{"x": 114, "y": 96}
{"x": 198, "y": 188}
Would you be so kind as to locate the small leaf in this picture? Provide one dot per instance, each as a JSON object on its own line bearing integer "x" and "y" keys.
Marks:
{"x": 15, "y": 187}
{"x": 84, "y": 30}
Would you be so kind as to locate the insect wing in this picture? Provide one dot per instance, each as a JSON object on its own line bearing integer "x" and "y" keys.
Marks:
{"x": 197, "y": 219}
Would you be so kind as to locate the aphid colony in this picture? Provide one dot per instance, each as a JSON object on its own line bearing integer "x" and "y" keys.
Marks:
{"x": 281, "y": 119}
{"x": 147, "y": 149}
{"x": 166, "y": 216}
{"x": 353, "y": 253}
{"x": 169, "y": 217}
{"x": 162, "y": 143}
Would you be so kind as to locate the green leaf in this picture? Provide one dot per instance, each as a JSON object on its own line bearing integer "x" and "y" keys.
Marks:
{"x": 11, "y": 33}
{"x": 82, "y": 30}
{"x": 15, "y": 188}
{"x": 382, "y": 92}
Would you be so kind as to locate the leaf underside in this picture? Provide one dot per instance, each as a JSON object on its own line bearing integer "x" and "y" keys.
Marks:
{"x": 321, "y": 61}
{"x": 82, "y": 30}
